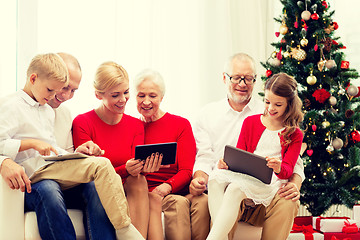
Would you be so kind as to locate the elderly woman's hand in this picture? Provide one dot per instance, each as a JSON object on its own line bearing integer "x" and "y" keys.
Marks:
{"x": 153, "y": 163}
{"x": 222, "y": 164}
{"x": 134, "y": 167}
{"x": 163, "y": 189}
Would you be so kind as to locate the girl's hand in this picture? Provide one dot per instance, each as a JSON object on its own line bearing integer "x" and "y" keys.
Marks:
{"x": 222, "y": 164}
{"x": 163, "y": 189}
{"x": 153, "y": 162}
{"x": 134, "y": 167}
{"x": 274, "y": 163}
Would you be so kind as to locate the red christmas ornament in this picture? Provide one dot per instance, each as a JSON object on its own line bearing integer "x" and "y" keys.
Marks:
{"x": 314, "y": 127}
{"x": 277, "y": 34}
{"x": 268, "y": 73}
{"x": 314, "y": 16}
{"x": 316, "y": 47}
{"x": 324, "y": 3}
{"x": 309, "y": 152}
{"x": 355, "y": 136}
{"x": 321, "y": 95}
{"x": 296, "y": 24}
{"x": 283, "y": 40}
{"x": 279, "y": 55}
{"x": 335, "y": 42}
{"x": 335, "y": 25}
{"x": 345, "y": 64}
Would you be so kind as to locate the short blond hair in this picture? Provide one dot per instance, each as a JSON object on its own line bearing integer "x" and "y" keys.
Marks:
{"x": 49, "y": 66}
{"x": 108, "y": 75}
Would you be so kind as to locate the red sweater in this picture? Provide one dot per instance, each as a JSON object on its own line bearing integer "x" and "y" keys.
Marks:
{"x": 250, "y": 134}
{"x": 118, "y": 140}
{"x": 172, "y": 128}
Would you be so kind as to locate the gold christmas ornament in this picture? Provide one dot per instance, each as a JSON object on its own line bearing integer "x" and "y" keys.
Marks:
{"x": 321, "y": 65}
{"x": 275, "y": 62}
{"x": 287, "y": 54}
{"x": 332, "y": 101}
{"x": 330, "y": 64}
{"x": 352, "y": 90}
{"x": 325, "y": 124}
{"x": 298, "y": 53}
{"x": 337, "y": 143}
{"x": 306, "y": 15}
{"x": 304, "y": 42}
{"x": 273, "y": 55}
{"x": 283, "y": 29}
{"x": 311, "y": 80}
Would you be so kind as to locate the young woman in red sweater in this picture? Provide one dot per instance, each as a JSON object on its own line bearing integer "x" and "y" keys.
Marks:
{"x": 168, "y": 186}
{"x": 274, "y": 135}
{"x": 117, "y": 134}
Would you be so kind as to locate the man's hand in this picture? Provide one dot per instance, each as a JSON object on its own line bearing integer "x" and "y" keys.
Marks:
{"x": 197, "y": 186}
{"x": 15, "y": 176}
{"x": 90, "y": 148}
{"x": 289, "y": 191}
{"x": 163, "y": 189}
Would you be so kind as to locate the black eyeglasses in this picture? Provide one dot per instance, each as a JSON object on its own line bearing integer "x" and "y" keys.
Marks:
{"x": 248, "y": 80}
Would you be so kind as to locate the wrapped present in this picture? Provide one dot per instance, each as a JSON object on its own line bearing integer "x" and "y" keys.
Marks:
{"x": 330, "y": 224}
{"x": 304, "y": 232}
{"x": 341, "y": 236}
{"x": 303, "y": 220}
{"x": 356, "y": 214}
{"x": 350, "y": 228}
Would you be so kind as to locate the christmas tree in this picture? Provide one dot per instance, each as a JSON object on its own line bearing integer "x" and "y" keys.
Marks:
{"x": 310, "y": 51}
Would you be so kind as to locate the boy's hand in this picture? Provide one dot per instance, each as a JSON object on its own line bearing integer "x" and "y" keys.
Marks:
{"x": 222, "y": 164}
{"x": 90, "y": 148}
{"x": 42, "y": 147}
{"x": 274, "y": 163}
{"x": 15, "y": 176}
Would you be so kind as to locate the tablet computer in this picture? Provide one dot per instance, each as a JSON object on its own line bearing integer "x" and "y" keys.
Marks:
{"x": 248, "y": 163}
{"x": 167, "y": 149}
{"x": 61, "y": 157}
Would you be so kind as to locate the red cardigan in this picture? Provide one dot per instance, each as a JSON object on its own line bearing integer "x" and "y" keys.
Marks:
{"x": 250, "y": 134}
{"x": 117, "y": 140}
{"x": 172, "y": 128}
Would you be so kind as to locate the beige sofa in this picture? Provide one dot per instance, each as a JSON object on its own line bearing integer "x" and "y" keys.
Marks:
{"x": 15, "y": 225}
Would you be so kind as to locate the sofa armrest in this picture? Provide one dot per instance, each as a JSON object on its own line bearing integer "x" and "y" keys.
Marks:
{"x": 11, "y": 212}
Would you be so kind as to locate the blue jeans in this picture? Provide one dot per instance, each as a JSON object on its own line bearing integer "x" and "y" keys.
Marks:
{"x": 50, "y": 204}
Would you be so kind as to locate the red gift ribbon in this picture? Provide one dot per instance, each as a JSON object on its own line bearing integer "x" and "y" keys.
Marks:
{"x": 317, "y": 226}
{"x": 335, "y": 238}
{"x": 306, "y": 230}
{"x": 350, "y": 228}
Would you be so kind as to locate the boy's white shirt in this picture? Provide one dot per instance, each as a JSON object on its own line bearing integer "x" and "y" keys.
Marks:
{"x": 23, "y": 118}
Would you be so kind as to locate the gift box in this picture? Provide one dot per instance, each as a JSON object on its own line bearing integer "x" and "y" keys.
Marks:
{"x": 304, "y": 232}
{"x": 356, "y": 214}
{"x": 350, "y": 227}
{"x": 331, "y": 224}
{"x": 303, "y": 220}
{"x": 341, "y": 236}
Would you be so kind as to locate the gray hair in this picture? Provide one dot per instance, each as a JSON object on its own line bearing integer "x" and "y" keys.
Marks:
{"x": 239, "y": 57}
{"x": 152, "y": 75}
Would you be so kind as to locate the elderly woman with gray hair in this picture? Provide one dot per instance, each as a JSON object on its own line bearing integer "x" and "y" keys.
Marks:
{"x": 167, "y": 186}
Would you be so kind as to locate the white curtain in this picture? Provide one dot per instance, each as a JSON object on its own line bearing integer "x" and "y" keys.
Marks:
{"x": 186, "y": 41}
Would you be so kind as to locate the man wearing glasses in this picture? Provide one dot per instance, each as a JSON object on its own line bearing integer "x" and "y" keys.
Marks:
{"x": 219, "y": 125}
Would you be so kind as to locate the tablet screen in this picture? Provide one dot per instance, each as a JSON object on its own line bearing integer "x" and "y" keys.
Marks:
{"x": 167, "y": 149}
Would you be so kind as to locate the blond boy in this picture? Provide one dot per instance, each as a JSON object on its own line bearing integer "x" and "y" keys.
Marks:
{"x": 27, "y": 134}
